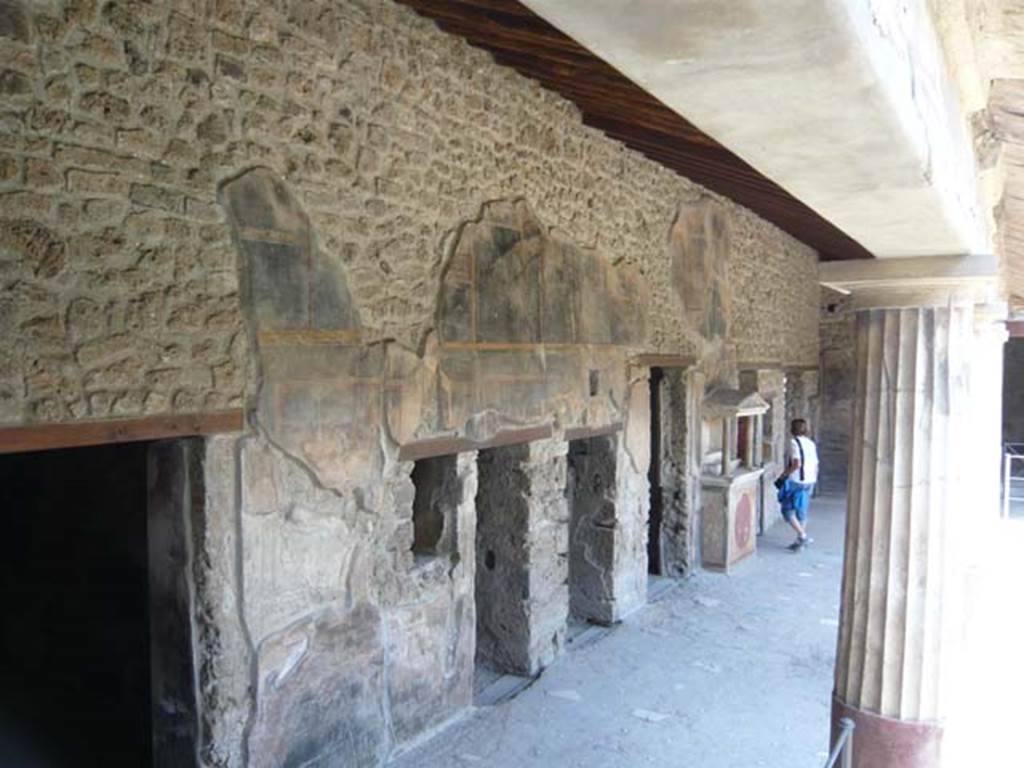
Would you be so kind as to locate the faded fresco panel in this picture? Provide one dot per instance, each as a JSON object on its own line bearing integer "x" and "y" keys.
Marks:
{"x": 291, "y": 284}
{"x": 513, "y": 383}
{"x": 626, "y": 305}
{"x": 564, "y": 267}
{"x": 278, "y": 284}
{"x": 323, "y": 405}
{"x": 699, "y": 245}
{"x": 520, "y": 311}
{"x": 595, "y": 323}
{"x": 455, "y": 319}
{"x": 320, "y": 394}
{"x": 318, "y": 685}
{"x": 508, "y": 288}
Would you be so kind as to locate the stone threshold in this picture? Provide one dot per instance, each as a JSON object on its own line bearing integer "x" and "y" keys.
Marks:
{"x": 580, "y": 635}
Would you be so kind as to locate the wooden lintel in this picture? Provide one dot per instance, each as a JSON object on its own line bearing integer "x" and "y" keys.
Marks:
{"x": 44, "y": 437}
{"x": 654, "y": 360}
{"x": 445, "y": 446}
{"x": 582, "y": 433}
{"x": 802, "y": 368}
{"x": 766, "y": 365}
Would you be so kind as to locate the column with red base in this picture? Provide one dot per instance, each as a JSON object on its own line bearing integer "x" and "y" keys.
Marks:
{"x": 913, "y": 463}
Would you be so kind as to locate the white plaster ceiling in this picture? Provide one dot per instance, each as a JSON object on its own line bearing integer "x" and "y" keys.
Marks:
{"x": 847, "y": 104}
{"x": 984, "y": 41}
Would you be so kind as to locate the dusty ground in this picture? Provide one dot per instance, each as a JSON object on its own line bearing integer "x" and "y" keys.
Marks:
{"x": 720, "y": 672}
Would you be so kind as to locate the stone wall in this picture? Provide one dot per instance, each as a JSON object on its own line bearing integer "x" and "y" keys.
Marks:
{"x": 119, "y": 120}
{"x": 772, "y": 295}
{"x": 371, "y": 237}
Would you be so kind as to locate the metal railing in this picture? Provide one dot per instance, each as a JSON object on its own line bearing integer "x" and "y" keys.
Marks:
{"x": 843, "y": 748}
{"x": 1013, "y": 475}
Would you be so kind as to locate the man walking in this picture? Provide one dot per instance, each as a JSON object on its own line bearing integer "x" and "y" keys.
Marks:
{"x": 797, "y": 481}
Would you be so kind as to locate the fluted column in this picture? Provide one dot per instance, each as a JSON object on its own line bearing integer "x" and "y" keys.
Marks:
{"x": 923, "y": 434}
{"x": 912, "y": 374}
{"x": 922, "y": 474}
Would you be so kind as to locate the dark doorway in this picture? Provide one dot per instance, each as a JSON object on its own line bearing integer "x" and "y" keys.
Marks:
{"x": 76, "y": 644}
{"x": 591, "y": 496}
{"x": 502, "y": 564}
{"x": 654, "y": 477}
{"x": 74, "y": 662}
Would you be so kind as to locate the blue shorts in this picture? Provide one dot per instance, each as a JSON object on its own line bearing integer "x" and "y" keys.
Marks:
{"x": 795, "y": 499}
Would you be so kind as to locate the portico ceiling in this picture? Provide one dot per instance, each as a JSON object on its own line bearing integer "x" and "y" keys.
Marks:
{"x": 847, "y": 104}
{"x": 838, "y": 120}
{"x": 613, "y": 103}
{"x": 985, "y": 40}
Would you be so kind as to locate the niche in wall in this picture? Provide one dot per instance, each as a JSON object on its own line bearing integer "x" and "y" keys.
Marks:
{"x": 434, "y": 506}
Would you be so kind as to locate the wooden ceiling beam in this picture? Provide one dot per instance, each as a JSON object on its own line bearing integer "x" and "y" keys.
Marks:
{"x": 613, "y": 104}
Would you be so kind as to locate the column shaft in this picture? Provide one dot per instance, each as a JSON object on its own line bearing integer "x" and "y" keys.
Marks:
{"x": 910, "y": 408}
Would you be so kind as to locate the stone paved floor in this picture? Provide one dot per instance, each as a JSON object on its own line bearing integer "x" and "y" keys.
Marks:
{"x": 721, "y": 672}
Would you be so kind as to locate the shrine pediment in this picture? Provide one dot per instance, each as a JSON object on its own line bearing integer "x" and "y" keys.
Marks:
{"x": 731, "y": 403}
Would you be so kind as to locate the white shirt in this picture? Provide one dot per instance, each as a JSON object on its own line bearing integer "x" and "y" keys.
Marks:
{"x": 810, "y": 463}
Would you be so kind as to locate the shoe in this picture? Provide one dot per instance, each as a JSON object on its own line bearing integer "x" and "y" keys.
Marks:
{"x": 807, "y": 540}
{"x": 796, "y": 546}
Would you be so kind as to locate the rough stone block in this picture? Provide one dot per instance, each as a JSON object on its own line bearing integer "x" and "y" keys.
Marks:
{"x": 150, "y": 196}
{"x": 185, "y": 39}
{"x": 105, "y": 105}
{"x": 521, "y": 594}
{"x": 34, "y": 246}
{"x": 14, "y": 22}
{"x": 9, "y": 169}
{"x": 91, "y": 182}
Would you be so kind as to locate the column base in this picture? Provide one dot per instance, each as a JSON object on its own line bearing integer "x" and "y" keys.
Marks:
{"x": 884, "y": 742}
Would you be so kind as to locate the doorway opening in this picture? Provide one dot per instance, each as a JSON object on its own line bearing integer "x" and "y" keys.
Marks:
{"x": 654, "y": 479}
{"x": 96, "y": 643}
{"x": 673, "y": 475}
{"x": 590, "y": 491}
{"x": 502, "y": 587}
